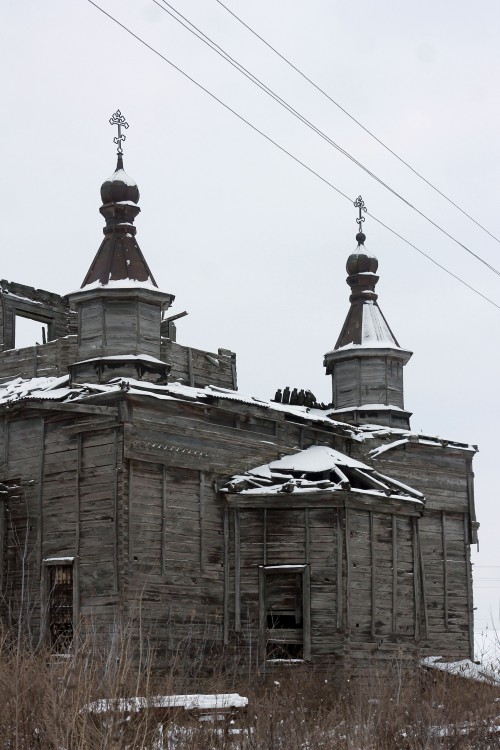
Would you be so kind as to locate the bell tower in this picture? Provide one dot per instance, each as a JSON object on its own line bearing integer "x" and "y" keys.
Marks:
{"x": 119, "y": 304}
{"x": 367, "y": 362}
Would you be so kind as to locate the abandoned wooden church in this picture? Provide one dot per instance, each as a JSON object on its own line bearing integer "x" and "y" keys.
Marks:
{"x": 139, "y": 485}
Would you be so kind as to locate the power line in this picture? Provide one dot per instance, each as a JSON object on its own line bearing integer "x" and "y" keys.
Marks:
{"x": 288, "y": 153}
{"x": 199, "y": 34}
{"x": 369, "y": 132}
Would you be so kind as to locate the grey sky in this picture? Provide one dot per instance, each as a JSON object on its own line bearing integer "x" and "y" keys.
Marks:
{"x": 253, "y": 246}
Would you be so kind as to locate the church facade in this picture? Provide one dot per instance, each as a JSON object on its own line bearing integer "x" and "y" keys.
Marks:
{"x": 138, "y": 485}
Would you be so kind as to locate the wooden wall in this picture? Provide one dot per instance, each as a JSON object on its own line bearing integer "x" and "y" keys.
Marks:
{"x": 358, "y": 381}
{"x": 443, "y": 475}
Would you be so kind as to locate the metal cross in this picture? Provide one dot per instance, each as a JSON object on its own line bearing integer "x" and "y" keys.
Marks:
{"x": 118, "y": 119}
{"x": 359, "y": 203}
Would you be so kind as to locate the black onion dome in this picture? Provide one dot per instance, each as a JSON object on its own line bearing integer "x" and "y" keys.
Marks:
{"x": 361, "y": 261}
{"x": 119, "y": 187}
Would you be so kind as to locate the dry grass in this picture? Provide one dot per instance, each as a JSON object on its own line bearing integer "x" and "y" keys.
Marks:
{"x": 42, "y": 698}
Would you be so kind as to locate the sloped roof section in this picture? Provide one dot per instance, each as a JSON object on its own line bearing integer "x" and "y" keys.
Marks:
{"x": 366, "y": 325}
{"x": 119, "y": 258}
{"x": 320, "y": 468}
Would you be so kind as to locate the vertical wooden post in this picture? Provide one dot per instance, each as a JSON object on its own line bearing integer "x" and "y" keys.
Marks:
{"x": 307, "y": 540}
{"x": 468, "y": 573}
{"x": 39, "y": 535}
{"x": 262, "y": 615}
{"x": 163, "y": 519}
{"x": 306, "y": 609}
{"x": 5, "y": 442}
{"x": 237, "y": 571}
{"x": 445, "y": 567}
{"x": 372, "y": 564}
{"x": 264, "y": 536}
{"x": 340, "y": 590}
{"x": 202, "y": 521}
{"x": 2, "y": 544}
{"x": 190, "y": 367}
{"x": 77, "y": 493}
{"x": 347, "y": 572}
{"x": 394, "y": 573}
{"x": 115, "y": 516}
{"x": 129, "y": 504}
{"x": 226, "y": 576}
{"x": 104, "y": 325}
{"x": 424, "y": 587}
{"x": 416, "y": 599}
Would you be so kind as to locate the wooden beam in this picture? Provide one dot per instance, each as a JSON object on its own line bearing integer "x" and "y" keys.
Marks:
{"x": 115, "y": 515}
{"x": 262, "y": 616}
{"x": 347, "y": 572}
{"x": 470, "y": 618}
{"x": 39, "y": 533}
{"x": 394, "y": 574}
{"x": 424, "y": 585}
{"x": 307, "y": 534}
{"x": 340, "y": 592}
{"x": 77, "y": 493}
{"x": 445, "y": 567}
{"x": 202, "y": 520}
{"x": 416, "y": 599}
{"x": 2, "y": 545}
{"x": 164, "y": 521}
{"x": 237, "y": 570}
{"x": 306, "y": 608}
{"x": 372, "y": 564}
{"x": 190, "y": 367}
{"x": 68, "y": 407}
{"x": 129, "y": 504}
{"x": 264, "y": 536}
{"x": 93, "y": 425}
{"x": 226, "y": 576}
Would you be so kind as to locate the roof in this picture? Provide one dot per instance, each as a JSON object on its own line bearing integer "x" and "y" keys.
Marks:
{"x": 320, "y": 468}
{"x": 366, "y": 326}
{"x": 22, "y": 390}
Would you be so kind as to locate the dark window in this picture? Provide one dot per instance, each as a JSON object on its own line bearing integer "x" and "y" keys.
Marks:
{"x": 283, "y": 619}
{"x": 60, "y": 607}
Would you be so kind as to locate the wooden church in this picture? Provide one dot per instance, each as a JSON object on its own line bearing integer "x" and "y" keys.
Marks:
{"x": 139, "y": 486}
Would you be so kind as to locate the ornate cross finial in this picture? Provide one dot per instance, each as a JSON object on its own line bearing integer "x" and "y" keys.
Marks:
{"x": 118, "y": 119}
{"x": 359, "y": 203}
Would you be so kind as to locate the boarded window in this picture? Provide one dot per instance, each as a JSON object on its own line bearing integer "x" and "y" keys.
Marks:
{"x": 285, "y": 612}
{"x": 60, "y": 607}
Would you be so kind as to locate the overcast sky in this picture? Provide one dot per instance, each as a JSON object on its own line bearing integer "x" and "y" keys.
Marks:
{"x": 252, "y": 245}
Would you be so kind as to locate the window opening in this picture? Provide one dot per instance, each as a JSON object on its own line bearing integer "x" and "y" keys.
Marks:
{"x": 29, "y": 332}
{"x": 284, "y": 615}
{"x": 60, "y": 607}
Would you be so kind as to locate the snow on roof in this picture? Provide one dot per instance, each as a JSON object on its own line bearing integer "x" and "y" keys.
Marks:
{"x": 367, "y": 407}
{"x": 375, "y": 328}
{"x": 122, "y": 176}
{"x": 52, "y": 388}
{"x": 315, "y": 459}
{"x": 417, "y": 439}
{"x": 124, "y": 358}
{"x": 464, "y": 668}
{"x": 117, "y": 284}
{"x": 215, "y": 701}
{"x": 320, "y": 468}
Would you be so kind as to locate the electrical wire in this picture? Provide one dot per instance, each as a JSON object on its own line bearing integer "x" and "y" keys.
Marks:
{"x": 251, "y": 77}
{"x": 363, "y": 127}
{"x": 288, "y": 153}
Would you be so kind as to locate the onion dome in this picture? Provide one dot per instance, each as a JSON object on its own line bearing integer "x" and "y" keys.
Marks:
{"x": 119, "y": 187}
{"x": 361, "y": 261}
